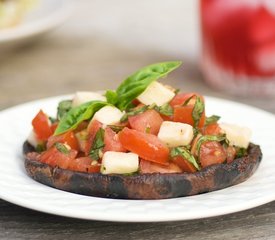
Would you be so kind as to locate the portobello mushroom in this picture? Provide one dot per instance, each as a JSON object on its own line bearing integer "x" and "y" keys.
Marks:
{"x": 144, "y": 186}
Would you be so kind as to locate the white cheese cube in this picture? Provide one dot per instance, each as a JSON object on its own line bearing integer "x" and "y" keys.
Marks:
{"x": 119, "y": 162}
{"x": 236, "y": 135}
{"x": 108, "y": 115}
{"x": 175, "y": 134}
{"x": 156, "y": 93}
{"x": 83, "y": 97}
{"x": 32, "y": 139}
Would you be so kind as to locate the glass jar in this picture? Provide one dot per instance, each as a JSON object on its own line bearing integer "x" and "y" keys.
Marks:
{"x": 238, "y": 45}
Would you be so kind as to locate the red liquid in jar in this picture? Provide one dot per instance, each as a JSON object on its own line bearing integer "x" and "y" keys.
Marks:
{"x": 238, "y": 44}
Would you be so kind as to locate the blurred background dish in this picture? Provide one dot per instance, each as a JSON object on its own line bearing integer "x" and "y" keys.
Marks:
{"x": 24, "y": 20}
{"x": 238, "y": 45}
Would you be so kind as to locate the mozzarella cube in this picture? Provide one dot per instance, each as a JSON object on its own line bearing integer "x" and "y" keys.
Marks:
{"x": 236, "y": 135}
{"x": 156, "y": 93}
{"x": 32, "y": 139}
{"x": 83, "y": 97}
{"x": 175, "y": 134}
{"x": 119, "y": 163}
{"x": 108, "y": 115}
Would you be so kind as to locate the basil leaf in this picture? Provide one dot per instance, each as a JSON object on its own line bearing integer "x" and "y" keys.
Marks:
{"x": 241, "y": 152}
{"x": 98, "y": 144}
{"x": 62, "y": 148}
{"x": 186, "y": 154}
{"x": 116, "y": 128}
{"x": 212, "y": 119}
{"x": 207, "y": 138}
{"x": 111, "y": 97}
{"x": 77, "y": 115}
{"x": 165, "y": 109}
{"x": 135, "y": 84}
{"x": 41, "y": 148}
{"x": 197, "y": 111}
{"x": 188, "y": 100}
{"x": 63, "y": 107}
{"x": 134, "y": 112}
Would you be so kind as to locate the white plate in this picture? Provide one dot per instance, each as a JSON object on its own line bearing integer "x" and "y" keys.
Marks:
{"x": 16, "y": 187}
{"x": 46, "y": 15}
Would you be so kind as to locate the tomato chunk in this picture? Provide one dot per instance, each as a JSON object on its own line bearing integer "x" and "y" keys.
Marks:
{"x": 147, "y": 146}
{"x": 212, "y": 129}
{"x": 184, "y": 114}
{"x": 180, "y": 99}
{"x": 150, "y": 167}
{"x": 42, "y": 126}
{"x": 212, "y": 152}
{"x": 54, "y": 157}
{"x": 66, "y": 138}
{"x": 112, "y": 142}
{"x": 92, "y": 129}
{"x": 84, "y": 164}
{"x": 184, "y": 165}
{"x": 148, "y": 121}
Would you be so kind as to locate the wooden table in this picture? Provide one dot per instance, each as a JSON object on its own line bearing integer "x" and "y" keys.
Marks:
{"x": 77, "y": 58}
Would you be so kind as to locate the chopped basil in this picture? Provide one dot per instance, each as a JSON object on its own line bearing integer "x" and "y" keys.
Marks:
{"x": 186, "y": 154}
{"x": 212, "y": 119}
{"x": 40, "y": 148}
{"x": 115, "y": 128}
{"x": 52, "y": 120}
{"x": 61, "y": 148}
{"x": 133, "y": 113}
{"x": 148, "y": 129}
{"x": 98, "y": 145}
{"x": 241, "y": 152}
{"x": 207, "y": 138}
{"x": 63, "y": 107}
{"x": 165, "y": 109}
{"x": 188, "y": 100}
{"x": 197, "y": 111}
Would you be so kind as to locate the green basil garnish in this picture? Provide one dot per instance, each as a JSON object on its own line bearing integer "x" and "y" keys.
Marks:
{"x": 98, "y": 144}
{"x": 62, "y": 148}
{"x": 212, "y": 119}
{"x": 77, "y": 115}
{"x": 207, "y": 138}
{"x": 41, "y": 148}
{"x": 165, "y": 109}
{"x": 135, "y": 84}
{"x": 116, "y": 128}
{"x": 63, "y": 107}
{"x": 186, "y": 154}
{"x": 197, "y": 111}
{"x": 134, "y": 112}
{"x": 241, "y": 152}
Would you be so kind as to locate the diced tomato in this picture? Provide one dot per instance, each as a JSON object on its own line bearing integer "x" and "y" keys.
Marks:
{"x": 230, "y": 154}
{"x": 212, "y": 129}
{"x": 184, "y": 165}
{"x": 150, "y": 167}
{"x": 148, "y": 121}
{"x": 211, "y": 153}
{"x": 92, "y": 128}
{"x": 180, "y": 99}
{"x": 112, "y": 142}
{"x": 42, "y": 126}
{"x": 66, "y": 138}
{"x": 184, "y": 114}
{"x": 147, "y": 146}
{"x": 84, "y": 164}
{"x": 54, "y": 157}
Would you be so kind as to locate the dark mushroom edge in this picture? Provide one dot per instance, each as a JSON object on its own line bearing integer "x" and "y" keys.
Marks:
{"x": 145, "y": 186}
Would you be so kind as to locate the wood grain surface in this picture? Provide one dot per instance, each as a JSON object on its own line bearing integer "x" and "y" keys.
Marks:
{"x": 75, "y": 57}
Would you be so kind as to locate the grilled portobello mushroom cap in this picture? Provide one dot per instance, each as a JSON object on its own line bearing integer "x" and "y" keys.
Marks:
{"x": 145, "y": 186}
